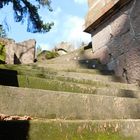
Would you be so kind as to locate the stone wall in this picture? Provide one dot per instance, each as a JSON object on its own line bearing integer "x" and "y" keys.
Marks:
{"x": 116, "y": 41}
{"x": 19, "y": 53}
{"x": 25, "y": 51}
{"x": 101, "y": 10}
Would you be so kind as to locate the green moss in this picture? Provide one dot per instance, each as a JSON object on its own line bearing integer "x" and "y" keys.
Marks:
{"x": 30, "y": 70}
{"x": 96, "y": 84}
{"x": 71, "y": 131}
{"x": 48, "y": 54}
{"x": 49, "y": 130}
{"x": 51, "y": 54}
{"x": 35, "y": 77}
{"x": 81, "y": 51}
{"x": 89, "y": 71}
{"x": 2, "y": 53}
{"x": 49, "y": 84}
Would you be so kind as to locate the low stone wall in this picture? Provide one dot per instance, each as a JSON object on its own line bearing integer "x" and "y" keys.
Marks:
{"x": 116, "y": 42}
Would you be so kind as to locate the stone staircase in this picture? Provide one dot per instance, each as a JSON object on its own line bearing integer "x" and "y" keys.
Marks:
{"x": 68, "y": 101}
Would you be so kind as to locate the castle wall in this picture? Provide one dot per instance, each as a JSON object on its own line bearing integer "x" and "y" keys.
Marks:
{"x": 19, "y": 53}
{"x": 116, "y": 41}
{"x": 25, "y": 51}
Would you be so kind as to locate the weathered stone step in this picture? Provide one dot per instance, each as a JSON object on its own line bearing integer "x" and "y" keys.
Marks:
{"x": 49, "y": 104}
{"x": 77, "y": 62}
{"x": 89, "y": 71}
{"x": 88, "y": 76}
{"x": 64, "y": 84}
{"x": 98, "y": 82}
{"x": 56, "y": 82}
{"x": 70, "y": 130}
{"x": 118, "y": 92}
{"x": 34, "y": 70}
{"x": 64, "y": 81}
{"x": 71, "y": 66}
{"x": 46, "y": 73}
{"x": 60, "y": 75}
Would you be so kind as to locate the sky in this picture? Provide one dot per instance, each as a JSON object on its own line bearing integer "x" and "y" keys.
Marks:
{"x": 68, "y": 17}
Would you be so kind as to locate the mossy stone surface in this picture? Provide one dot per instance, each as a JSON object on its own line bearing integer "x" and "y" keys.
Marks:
{"x": 62, "y": 130}
{"x": 2, "y": 53}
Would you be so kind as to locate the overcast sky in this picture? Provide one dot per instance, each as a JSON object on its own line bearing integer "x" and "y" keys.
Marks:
{"x": 68, "y": 17}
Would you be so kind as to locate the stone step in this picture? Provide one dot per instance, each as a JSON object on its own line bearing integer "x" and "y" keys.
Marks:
{"x": 61, "y": 105}
{"x": 98, "y": 82}
{"x": 62, "y": 84}
{"x": 76, "y": 61}
{"x": 32, "y": 70}
{"x": 71, "y": 82}
{"x": 73, "y": 66}
{"x": 36, "y": 71}
{"x": 46, "y": 73}
{"x": 88, "y": 76}
{"x": 118, "y": 92}
{"x": 77, "y": 83}
{"x": 68, "y": 84}
{"x": 70, "y": 130}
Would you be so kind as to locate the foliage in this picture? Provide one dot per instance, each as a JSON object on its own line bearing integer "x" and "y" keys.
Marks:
{"x": 81, "y": 51}
{"x": 2, "y": 32}
{"x": 51, "y": 54}
{"x": 45, "y": 54}
{"x": 24, "y": 8}
{"x": 2, "y": 53}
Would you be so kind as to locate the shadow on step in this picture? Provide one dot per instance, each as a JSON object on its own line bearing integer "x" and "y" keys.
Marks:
{"x": 101, "y": 68}
{"x": 129, "y": 94}
{"x": 95, "y": 64}
{"x": 14, "y": 130}
{"x": 8, "y": 77}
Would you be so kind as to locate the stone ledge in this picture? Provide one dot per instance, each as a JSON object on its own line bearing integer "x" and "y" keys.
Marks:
{"x": 102, "y": 13}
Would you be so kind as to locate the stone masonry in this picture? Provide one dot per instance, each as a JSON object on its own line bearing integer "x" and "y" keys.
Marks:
{"x": 115, "y": 29}
{"x": 64, "y": 48}
{"x": 19, "y": 53}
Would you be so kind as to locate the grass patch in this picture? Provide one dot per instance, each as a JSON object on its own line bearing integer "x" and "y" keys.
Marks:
{"x": 48, "y": 54}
